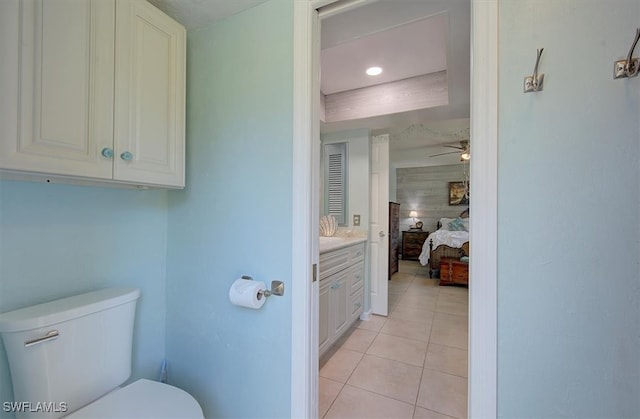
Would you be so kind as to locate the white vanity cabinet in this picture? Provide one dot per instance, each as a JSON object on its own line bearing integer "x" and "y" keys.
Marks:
{"x": 92, "y": 90}
{"x": 341, "y": 292}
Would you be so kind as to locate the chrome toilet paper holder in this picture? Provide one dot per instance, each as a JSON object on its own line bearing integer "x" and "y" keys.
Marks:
{"x": 277, "y": 288}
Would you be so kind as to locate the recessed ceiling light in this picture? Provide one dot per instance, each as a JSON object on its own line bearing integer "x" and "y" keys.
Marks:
{"x": 374, "y": 71}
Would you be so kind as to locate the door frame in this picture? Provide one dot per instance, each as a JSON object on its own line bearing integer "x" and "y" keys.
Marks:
{"x": 482, "y": 396}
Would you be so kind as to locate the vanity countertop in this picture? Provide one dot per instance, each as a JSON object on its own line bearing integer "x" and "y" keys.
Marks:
{"x": 328, "y": 244}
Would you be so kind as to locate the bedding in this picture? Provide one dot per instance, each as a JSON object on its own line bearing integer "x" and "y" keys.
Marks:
{"x": 451, "y": 239}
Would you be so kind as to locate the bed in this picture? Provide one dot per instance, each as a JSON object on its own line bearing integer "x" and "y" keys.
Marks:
{"x": 451, "y": 239}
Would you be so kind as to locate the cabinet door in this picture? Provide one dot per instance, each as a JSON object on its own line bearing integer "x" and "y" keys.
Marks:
{"x": 324, "y": 307}
{"x": 149, "y": 95}
{"x": 340, "y": 302}
{"x": 56, "y": 106}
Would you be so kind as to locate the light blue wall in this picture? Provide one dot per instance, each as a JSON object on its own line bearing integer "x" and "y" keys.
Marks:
{"x": 234, "y": 217}
{"x": 568, "y": 252}
{"x": 60, "y": 240}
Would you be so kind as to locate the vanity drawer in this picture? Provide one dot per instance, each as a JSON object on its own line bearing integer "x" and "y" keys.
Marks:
{"x": 356, "y": 305}
{"x": 356, "y": 253}
{"x": 356, "y": 279}
{"x": 333, "y": 261}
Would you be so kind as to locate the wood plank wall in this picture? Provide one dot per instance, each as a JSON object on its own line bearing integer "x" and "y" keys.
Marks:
{"x": 426, "y": 190}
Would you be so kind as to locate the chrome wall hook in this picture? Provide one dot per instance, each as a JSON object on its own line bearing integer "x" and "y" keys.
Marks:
{"x": 533, "y": 83}
{"x": 629, "y": 67}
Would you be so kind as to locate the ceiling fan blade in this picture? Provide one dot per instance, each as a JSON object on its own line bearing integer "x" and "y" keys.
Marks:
{"x": 442, "y": 154}
{"x": 453, "y": 146}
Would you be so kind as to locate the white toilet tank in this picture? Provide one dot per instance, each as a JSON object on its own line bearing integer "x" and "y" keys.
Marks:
{"x": 67, "y": 353}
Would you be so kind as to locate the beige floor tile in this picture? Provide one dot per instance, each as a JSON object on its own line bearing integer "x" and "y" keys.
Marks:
{"x": 449, "y": 337}
{"x": 392, "y": 306}
{"x": 354, "y": 403}
{"x": 328, "y": 391}
{"x": 450, "y": 330}
{"x": 399, "y": 349}
{"x": 454, "y": 297}
{"x": 402, "y": 277}
{"x": 452, "y": 320}
{"x": 418, "y": 330}
{"x": 341, "y": 365}
{"x": 398, "y": 287}
{"x": 411, "y": 313}
{"x": 390, "y": 378}
{"x": 359, "y": 340}
{"x": 451, "y": 307}
{"x": 422, "y": 279}
{"x": 416, "y": 355}
{"x": 455, "y": 290}
{"x": 447, "y": 359}
{"x": 424, "y": 274}
{"x": 375, "y": 323}
{"x": 422, "y": 301}
{"x": 394, "y": 299}
{"x": 409, "y": 266}
{"x": 418, "y": 289}
{"x": 422, "y": 413}
{"x": 443, "y": 393}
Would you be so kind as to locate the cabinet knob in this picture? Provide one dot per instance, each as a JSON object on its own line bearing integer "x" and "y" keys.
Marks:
{"x": 126, "y": 156}
{"x": 107, "y": 152}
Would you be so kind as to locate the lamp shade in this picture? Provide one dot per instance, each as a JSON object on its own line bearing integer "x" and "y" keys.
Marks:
{"x": 413, "y": 214}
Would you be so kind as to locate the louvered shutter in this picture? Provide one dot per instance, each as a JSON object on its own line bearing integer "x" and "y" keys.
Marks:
{"x": 335, "y": 158}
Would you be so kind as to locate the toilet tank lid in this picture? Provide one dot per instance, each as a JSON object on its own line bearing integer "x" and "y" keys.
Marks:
{"x": 64, "y": 309}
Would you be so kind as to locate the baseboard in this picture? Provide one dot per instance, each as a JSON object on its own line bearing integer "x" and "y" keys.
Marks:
{"x": 366, "y": 315}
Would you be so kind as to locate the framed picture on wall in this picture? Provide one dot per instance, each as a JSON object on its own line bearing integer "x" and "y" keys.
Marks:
{"x": 458, "y": 193}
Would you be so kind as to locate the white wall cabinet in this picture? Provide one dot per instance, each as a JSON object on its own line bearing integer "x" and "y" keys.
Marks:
{"x": 341, "y": 292}
{"x": 93, "y": 90}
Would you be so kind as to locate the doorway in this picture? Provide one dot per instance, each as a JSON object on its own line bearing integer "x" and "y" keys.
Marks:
{"x": 482, "y": 327}
{"x": 414, "y": 114}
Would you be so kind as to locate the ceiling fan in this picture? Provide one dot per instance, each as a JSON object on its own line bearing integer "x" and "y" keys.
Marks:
{"x": 464, "y": 150}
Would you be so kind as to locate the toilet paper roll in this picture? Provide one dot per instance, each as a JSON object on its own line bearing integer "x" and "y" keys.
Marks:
{"x": 245, "y": 293}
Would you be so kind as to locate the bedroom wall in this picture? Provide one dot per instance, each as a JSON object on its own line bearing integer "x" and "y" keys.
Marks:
{"x": 62, "y": 240}
{"x": 426, "y": 190}
{"x": 568, "y": 212}
{"x": 234, "y": 217}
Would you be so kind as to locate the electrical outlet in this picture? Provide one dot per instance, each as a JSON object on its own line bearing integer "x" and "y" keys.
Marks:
{"x": 356, "y": 220}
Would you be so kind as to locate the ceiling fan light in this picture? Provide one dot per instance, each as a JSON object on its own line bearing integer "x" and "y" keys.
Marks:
{"x": 465, "y": 156}
{"x": 374, "y": 71}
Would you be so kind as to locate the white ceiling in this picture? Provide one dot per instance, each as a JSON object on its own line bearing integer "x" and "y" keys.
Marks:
{"x": 408, "y": 50}
{"x": 432, "y": 28}
{"x": 405, "y": 37}
{"x": 194, "y": 14}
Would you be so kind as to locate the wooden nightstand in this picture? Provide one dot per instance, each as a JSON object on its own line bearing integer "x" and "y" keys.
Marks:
{"x": 412, "y": 242}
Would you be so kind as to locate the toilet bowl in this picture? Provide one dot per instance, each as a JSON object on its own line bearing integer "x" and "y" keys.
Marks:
{"x": 71, "y": 355}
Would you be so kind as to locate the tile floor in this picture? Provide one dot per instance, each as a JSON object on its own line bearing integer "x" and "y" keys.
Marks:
{"x": 411, "y": 364}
